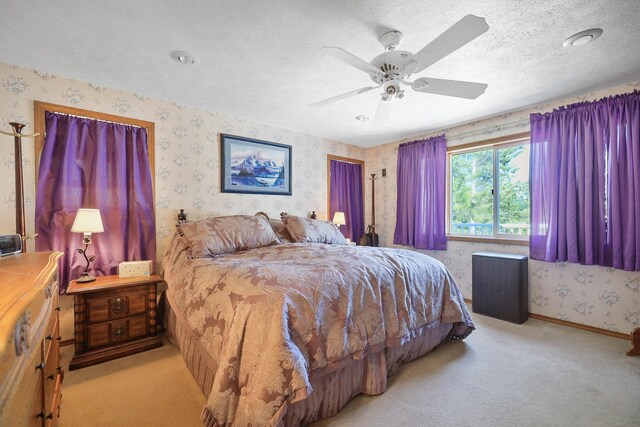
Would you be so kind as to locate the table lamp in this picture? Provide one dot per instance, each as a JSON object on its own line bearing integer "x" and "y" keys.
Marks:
{"x": 338, "y": 219}
{"x": 87, "y": 221}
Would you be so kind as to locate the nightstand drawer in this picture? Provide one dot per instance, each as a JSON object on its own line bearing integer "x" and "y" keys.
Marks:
{"x": 115, "y": 332}
{"x": 117, "y": 305}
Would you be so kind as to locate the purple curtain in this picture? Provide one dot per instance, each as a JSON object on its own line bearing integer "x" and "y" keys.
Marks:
{"x": 347, "y": 197}
{"x": 585, "y": 183}
{"x": 87, "y": 163}
{"x": 420, "y": 215}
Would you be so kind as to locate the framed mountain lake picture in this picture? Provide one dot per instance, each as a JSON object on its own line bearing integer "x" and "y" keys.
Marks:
{"x": 254, "y": 166}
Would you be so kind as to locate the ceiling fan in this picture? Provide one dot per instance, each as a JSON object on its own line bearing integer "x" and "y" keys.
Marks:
{"x": 390, "y": 70}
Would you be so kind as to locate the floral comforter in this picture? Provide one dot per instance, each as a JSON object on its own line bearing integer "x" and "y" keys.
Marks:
{"x": 272, "y": 317}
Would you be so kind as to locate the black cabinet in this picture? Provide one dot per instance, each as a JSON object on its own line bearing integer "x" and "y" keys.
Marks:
{"x": 500, "y": 286}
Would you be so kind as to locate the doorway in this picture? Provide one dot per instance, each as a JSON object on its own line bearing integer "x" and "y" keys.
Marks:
{"x": 345, "y": 191}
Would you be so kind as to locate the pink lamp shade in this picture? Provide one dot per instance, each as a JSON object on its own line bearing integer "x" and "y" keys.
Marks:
{"x": 339, "y": 219}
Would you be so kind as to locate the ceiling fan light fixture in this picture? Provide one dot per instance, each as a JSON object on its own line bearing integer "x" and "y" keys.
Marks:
{"x": 583, "y": 37}
{"x": 185, "y": 58}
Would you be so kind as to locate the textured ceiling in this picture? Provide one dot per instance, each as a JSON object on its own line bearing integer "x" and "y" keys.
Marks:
{"x": 260, "y": 59}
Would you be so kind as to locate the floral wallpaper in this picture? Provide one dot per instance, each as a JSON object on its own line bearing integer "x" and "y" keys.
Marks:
{"x": 187, "y": 151}
{"x": 591, "y": 295}
{"x": 188, "y": 177}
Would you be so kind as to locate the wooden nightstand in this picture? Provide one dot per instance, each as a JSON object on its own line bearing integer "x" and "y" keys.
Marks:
{"x": 114, "y": 317}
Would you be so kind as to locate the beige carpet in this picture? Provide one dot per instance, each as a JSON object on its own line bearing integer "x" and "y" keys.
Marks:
{"x": 153, "y": 388}
{"x": 535, "y": 374}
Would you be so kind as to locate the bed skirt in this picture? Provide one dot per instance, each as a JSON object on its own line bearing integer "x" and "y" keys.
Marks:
{"x": 332, "y": 389}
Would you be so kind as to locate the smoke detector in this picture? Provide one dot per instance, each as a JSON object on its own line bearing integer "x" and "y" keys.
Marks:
{"x": 583, "y": 37}
{"x": 184, "y": 57}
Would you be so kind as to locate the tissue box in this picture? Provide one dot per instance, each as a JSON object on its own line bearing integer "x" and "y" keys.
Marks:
{"x": 135, "y": 268}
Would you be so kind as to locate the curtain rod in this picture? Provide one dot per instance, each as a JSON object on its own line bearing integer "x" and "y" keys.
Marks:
{"x": 80, "y": 116}
{"x": 497, "y": 127}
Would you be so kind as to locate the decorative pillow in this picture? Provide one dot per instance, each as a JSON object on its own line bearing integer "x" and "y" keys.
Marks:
{"x": 227, "y": 234}
{"x": 306, "y": 230}
{"x": 278, "y": 228}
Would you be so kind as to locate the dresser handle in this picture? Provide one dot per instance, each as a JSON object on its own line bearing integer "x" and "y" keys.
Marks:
{"x": 50, "y": 377}
{"x": 40, "y": 415}
{"x": 49, "y": 337}
{"x": 57, "y": 308}
{"x": 59, "y": 338}
{"x": 50, "y": 416}
{"x": 118, "y": 306}
{"x": 40, "y": 366}
{"x": 59, "y": 368}
{"x": 118, "y": 332}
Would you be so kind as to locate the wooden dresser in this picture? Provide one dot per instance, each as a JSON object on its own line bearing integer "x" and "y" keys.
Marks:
{"x": 30, "y": 368}
{"x": 114, "y": 317}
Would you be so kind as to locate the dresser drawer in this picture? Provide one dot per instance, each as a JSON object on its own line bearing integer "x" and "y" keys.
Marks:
{"x": 115, "y": 332}
{"x": 52, "y": 333}
{"x": 53, "y": 366}
{"x": 53, "y": 413}
{"x": 26, "y": 405}
{"x": 105, "y": 307}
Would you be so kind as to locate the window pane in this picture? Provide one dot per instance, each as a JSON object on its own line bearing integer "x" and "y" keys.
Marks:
{"x": 513, "y": 211}
{"x": 471, "y": 198}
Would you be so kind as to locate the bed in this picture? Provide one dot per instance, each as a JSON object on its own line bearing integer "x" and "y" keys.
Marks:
{"x": 286, "y": 334}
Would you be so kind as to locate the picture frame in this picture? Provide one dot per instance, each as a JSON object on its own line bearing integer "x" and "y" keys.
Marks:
{"x": 253, "y": 166}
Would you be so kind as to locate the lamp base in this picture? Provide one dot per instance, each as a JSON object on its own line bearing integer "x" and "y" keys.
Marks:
{"x": 85, "y": 278}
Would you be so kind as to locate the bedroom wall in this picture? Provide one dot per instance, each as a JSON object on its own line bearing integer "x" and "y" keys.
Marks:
{"x": 187, "y": 155}
{"x": 591, "y": 295}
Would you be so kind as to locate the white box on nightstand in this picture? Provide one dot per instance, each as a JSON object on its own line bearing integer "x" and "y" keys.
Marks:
{"x": 135, "y": 268}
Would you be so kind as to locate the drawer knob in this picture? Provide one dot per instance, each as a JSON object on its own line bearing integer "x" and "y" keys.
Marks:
{"x": 57, "y": 308}
{"x": 59, "y": 338}
{"x": 50, "y": 416}
{"x": 49, "y": 337}
{"x": 118, "y": 306}
{"x": 118, "y": 332}
{"x": 50, "y": 377}
{"x": 40, "y": 366}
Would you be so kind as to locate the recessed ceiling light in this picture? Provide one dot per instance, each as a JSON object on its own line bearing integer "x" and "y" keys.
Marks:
{"x": 362, "y": 118}
{"x": 184, "y": 57}
{"x": 583, "y": 37}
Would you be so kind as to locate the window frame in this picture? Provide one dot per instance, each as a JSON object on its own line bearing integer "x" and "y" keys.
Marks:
{"x": 493, "y": 144}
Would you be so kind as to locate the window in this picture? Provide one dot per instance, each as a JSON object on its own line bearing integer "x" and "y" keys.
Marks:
{"x": 489, "y": 190}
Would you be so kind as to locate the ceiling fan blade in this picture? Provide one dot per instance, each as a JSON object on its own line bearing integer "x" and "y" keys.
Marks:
{"x": 457, "y": 88}
{"x": 383, "y": 112}
{"x": 351, "y": 59}
{"x": 343, "y": 96}
{"x": 456, "y": 36}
